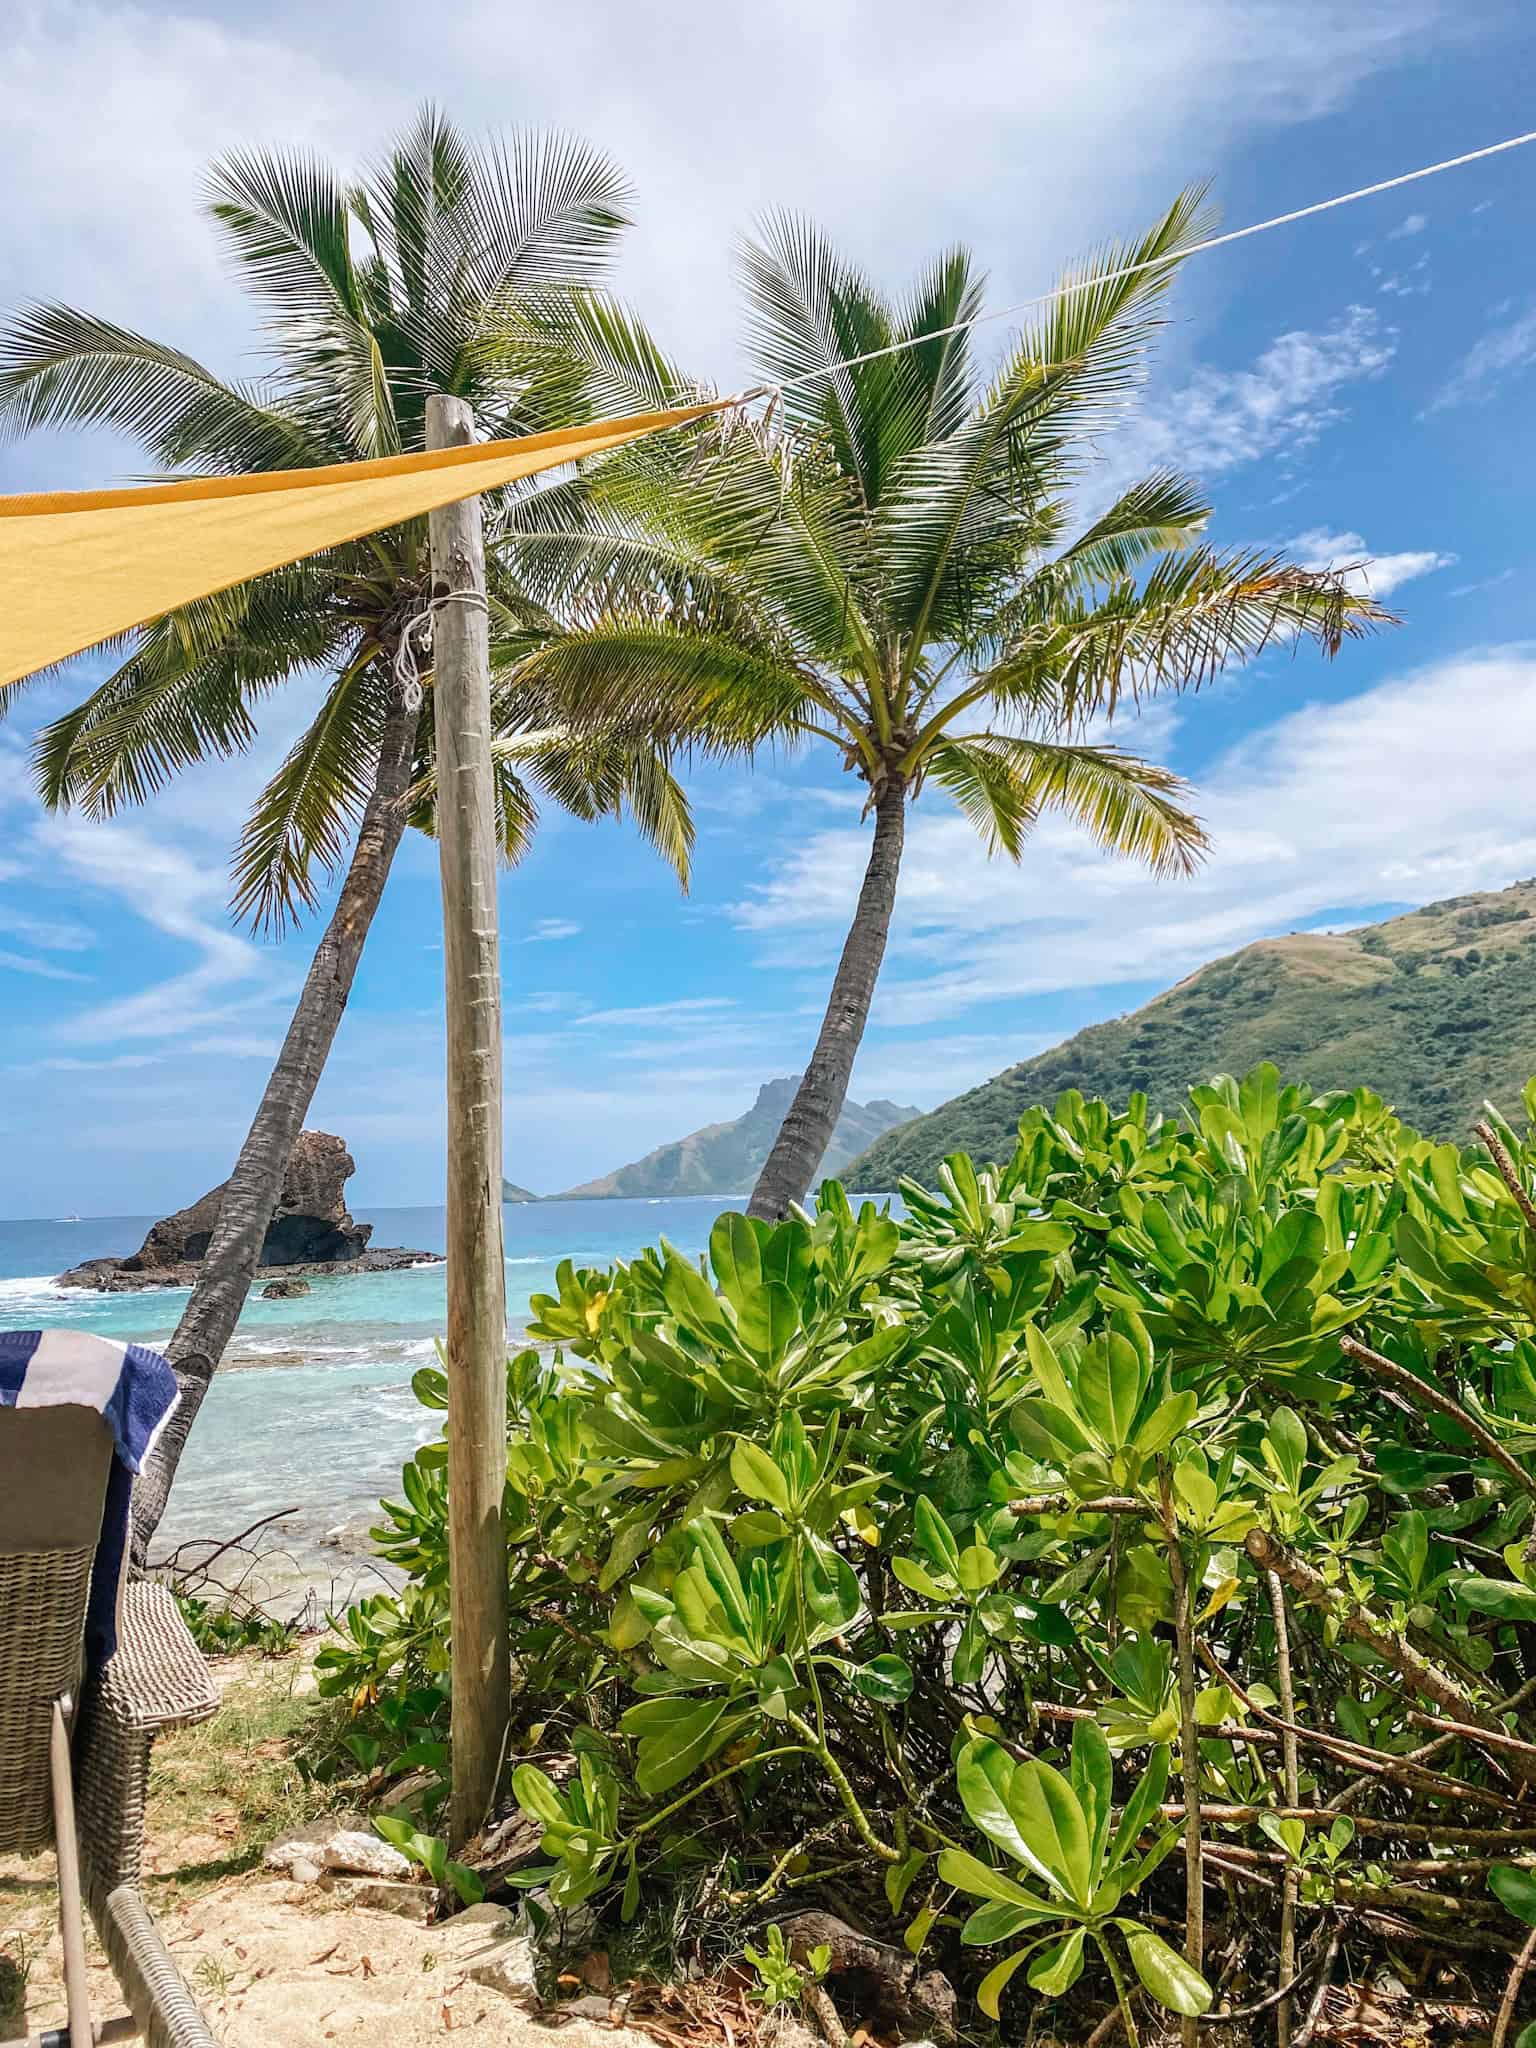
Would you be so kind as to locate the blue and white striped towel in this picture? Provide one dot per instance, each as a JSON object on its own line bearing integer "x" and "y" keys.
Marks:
{"x": 135, "y": 1390}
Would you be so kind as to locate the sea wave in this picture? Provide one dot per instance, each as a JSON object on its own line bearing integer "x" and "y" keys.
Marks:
{"x": 39, "y": 1284}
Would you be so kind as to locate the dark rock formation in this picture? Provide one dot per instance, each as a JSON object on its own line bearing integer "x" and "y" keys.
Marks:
{"x": 310, "y": 1225}
{"x": 311, "y": 1231}
{"x": 284, "y": 1290}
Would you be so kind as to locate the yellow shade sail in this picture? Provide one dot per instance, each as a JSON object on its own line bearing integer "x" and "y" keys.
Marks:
{"x": 78, "y": 567}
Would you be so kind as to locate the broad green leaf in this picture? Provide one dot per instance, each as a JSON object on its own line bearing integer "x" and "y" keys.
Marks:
{"x": 885, "y": 1679}
{"x": 733, "y": 1253}
{"x": 1110, "y": 1383}
{"x": 831, "y": 1586}
{"x": 918, "y": 1930}
{"x": 967, "y": 1873}
{"x": 991, "y": 1988}
{"x": 1172, "y": 1980}
{"x": 1054, "y": 1827}
{"x": 536, "y": 1793}
{"x": 936, "y": 1537}
{"x": 1140, "y": 1807}
{"x": 1502, "y": 1598}
{"x": 1058, "y": 1968}
{"x": 691, "y": 1298}
{"x": 910, "y": 1574}
{"x": 1515, "y": 1890}
{"x": 984, "y": 1774}
{"x": 1093, "y": 1780}
{"x": 1048, "y": 1371}
{"x": 677, "y": 1748}
{"x": 979, "y": 1568}
{"x": 899, "y": 1876}
{"x": 757, "y": 1476}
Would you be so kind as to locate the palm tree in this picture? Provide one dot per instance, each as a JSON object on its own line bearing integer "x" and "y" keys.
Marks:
{"x": 890, "y": 575}
{"x": 446, "y": 268}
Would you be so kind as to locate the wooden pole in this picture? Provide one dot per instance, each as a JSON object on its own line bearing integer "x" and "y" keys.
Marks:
{"x": 477, "y": 1280}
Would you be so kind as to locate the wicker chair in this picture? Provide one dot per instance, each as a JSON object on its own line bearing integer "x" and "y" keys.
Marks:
{"x": 72, "y": 1780}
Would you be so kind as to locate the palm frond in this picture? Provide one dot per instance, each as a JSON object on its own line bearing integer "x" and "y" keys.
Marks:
{"x": 285, "y": 216}
{"x": 959, "y": 512}
{"x": 1127, "y": 806}
{"x": 301, "y": 823}
{"x": 185, "y": 693}
{"x": 646, "y": 680}
{"x": 1163, "y": 511}
{"x": 63, "y": 368}
{"x": 1195, "y": 615}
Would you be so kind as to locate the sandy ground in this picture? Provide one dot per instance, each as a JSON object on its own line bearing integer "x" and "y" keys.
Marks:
{"x": 274, "y": 1964}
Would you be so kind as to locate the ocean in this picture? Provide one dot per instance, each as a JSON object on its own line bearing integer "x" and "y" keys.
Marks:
{"x": 313, "y": 1408}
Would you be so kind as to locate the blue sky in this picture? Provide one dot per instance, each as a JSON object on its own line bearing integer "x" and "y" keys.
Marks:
{"x": 1356, "y": 386}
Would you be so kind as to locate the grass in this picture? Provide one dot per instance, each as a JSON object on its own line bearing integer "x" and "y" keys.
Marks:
{"x": 238, "y": 1780}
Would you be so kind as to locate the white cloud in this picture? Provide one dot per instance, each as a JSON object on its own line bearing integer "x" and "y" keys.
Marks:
{"x": 658, "y": 1015}
{"x": 1281, "y": 405}
{"x": 119, "y": 1062}
{"x": 108, "y": 113}
{"x": 22, "y": 963}
{"x": 1368, "y": 574}
{"x": 1384, "y": 797}
{"x": 54, "y": 935}
{"x": 1502, "y": 352}
{"x": 1415, "y": 224}
{"x": 176, "y": 893}
{"x": 551, "y": 928}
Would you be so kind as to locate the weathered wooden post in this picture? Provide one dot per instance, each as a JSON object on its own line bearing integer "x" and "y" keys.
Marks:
{"x": 477, "y": 1303}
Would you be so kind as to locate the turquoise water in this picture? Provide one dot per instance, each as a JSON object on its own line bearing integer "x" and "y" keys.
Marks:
{"x": 313, "y": 1408}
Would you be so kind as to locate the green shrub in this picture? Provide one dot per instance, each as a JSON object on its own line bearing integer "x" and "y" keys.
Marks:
{"x": 817, "y": 1538}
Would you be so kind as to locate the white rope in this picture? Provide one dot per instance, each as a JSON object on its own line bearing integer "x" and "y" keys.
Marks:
{"x": 1258, "y": 227}
{"x": 408, "y": 667}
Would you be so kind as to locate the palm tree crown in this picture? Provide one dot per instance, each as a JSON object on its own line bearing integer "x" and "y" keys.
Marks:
{"x": 447, "y": 268}
{"x": 897, "y": 573}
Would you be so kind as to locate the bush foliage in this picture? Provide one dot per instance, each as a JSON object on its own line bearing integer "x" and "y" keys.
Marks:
{"x": 1136, "y": 1511}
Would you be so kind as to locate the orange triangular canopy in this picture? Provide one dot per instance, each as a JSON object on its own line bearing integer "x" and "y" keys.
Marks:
{"x": 77, "y": 567}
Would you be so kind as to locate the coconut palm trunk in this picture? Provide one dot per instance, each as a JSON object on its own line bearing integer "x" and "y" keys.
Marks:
{"x": 234, "y": 1251}
{"x": 807, "y": 1130}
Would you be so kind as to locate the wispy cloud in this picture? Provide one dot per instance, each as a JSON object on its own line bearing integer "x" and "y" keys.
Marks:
{"x": 175, "y": 893}
{"x": 1414, "y": 224}
{"x": 1502, "y": 353}
{"x": 1368, "y": 574}
{"x": 54, "y": 935}
{"x": 22, "y": 963}
{"x": 659, "y": 1014}
{"x": 551, "y": 928}
{"x": 1282, "y": 404}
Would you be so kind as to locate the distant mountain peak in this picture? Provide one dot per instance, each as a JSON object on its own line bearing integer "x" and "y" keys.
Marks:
{"x": 724, "y": 1159}
{"x": 1434, "y": 1009}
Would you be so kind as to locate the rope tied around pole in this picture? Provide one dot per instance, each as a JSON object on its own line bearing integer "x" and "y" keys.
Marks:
{"x": 412, "y": 662}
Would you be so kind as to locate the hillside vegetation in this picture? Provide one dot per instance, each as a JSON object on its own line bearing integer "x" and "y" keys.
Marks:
{"x": 1435, "y": 1011}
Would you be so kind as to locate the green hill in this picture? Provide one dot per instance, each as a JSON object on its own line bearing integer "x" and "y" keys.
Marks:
{"x": 1435, "y": 1010}
{"x": 725, "y": 1159}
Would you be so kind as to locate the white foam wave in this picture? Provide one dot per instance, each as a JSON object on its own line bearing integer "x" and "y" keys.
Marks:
{"x": 39, "y": 1285}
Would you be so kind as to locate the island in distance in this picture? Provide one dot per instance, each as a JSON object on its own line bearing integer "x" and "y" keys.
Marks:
{"x": 310, "y": 1232}
{"x": 723, "y": 1160}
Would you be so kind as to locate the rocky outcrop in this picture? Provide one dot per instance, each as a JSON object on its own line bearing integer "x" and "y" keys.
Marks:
{"x": 311, "y": 1231}
{"x": 284, "y": 1290}
{"x": 310, "y": 1225}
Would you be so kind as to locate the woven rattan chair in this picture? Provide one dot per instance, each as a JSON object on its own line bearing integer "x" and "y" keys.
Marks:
{"x": 73, "y": 1779}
